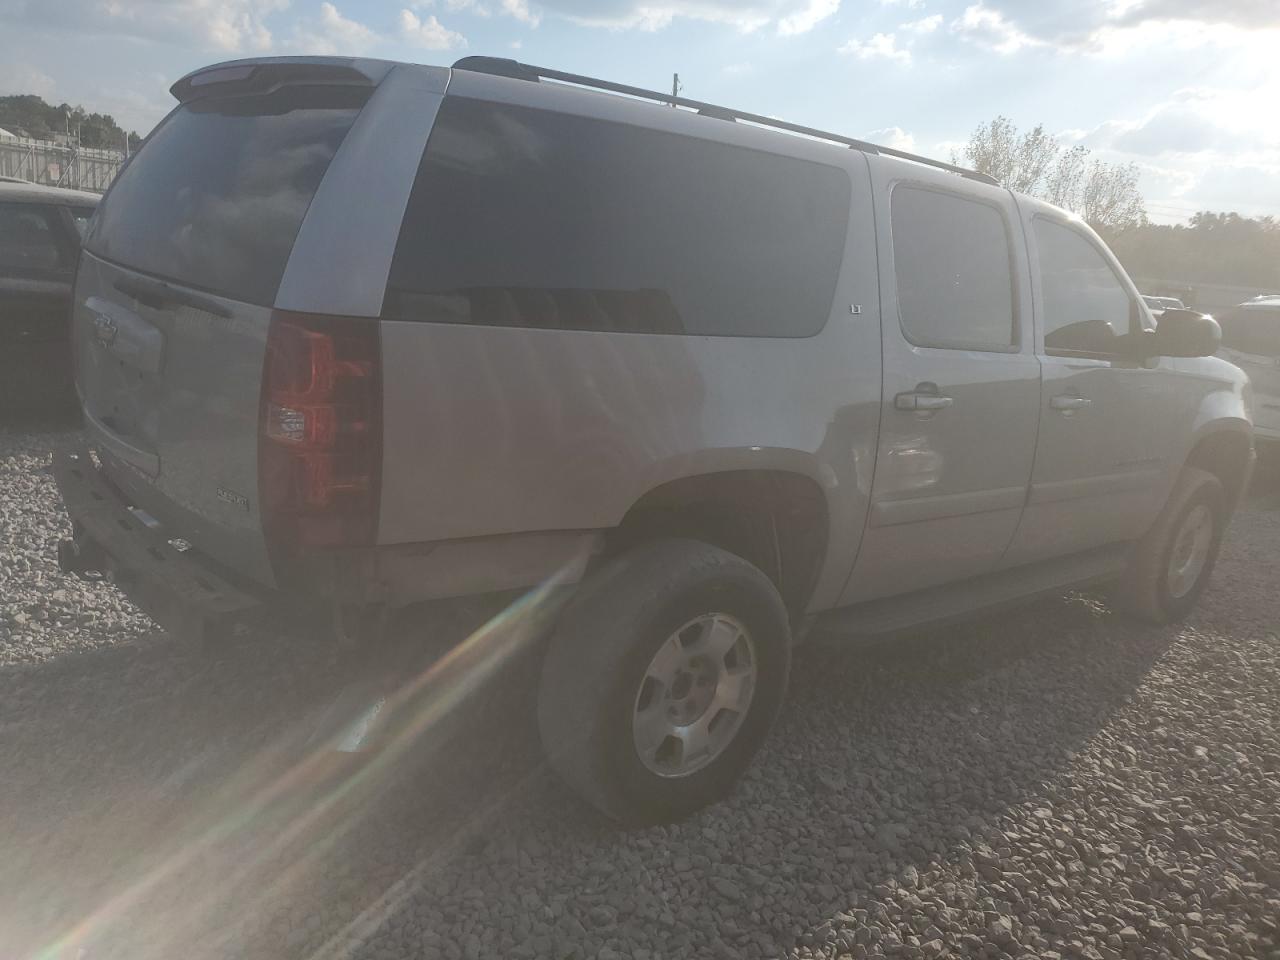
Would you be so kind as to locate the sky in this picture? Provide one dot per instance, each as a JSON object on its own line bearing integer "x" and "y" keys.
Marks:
{"x": 1189, "y": 90}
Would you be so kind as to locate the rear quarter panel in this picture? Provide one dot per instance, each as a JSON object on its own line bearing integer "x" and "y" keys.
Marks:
{"x": 501, "y": 430}
{"x": 490, "y": 431}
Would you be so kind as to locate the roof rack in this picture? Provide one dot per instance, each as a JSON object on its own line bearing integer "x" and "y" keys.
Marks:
{"x": 502, "y": 67}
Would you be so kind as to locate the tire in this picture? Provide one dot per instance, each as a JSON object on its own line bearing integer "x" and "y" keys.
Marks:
{"x": 598, "y": 678}
{"x": 1151, "y": 589}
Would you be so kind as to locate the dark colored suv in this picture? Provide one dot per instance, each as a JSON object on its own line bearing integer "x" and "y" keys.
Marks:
{"x": 40, "y": 231}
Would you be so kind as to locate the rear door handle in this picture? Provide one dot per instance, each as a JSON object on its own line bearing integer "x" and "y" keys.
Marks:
{"x": 1068, "y": 403}
{"x": 921, "y": 401}
{"x": 156, "y": 294}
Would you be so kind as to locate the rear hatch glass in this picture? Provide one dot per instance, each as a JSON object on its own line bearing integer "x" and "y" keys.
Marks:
{"x": 215, "y": 198}
{"x": 173, "y": 298}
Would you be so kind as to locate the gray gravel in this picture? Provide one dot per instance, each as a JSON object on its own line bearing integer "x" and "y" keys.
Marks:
{"x": 44, "y": 614}
{"x": 1053, "y": 782}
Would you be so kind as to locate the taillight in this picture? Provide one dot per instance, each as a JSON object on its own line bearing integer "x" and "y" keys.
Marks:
{"x": 320, "y": 441}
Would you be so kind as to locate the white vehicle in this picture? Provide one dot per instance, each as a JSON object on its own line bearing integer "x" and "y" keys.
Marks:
{"x": 1251, "y": 340}
{"x": 1158, "y": 305}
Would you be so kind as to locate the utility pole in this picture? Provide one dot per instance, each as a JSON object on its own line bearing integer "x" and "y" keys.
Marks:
{"x": 675, "y": 86}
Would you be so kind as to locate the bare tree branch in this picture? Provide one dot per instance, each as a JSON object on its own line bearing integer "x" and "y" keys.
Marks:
{"x": 1036, "y": 163}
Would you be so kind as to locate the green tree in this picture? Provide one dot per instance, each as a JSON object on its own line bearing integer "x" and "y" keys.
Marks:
{"x": 29, "y": 115}
{"x": 1210, "y": 248}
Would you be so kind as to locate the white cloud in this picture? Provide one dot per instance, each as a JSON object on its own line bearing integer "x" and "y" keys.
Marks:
{"x": 1248, "y": 189}
{"x": 1176, "y": 38}
{"x": 222, "y": 25}
{"x": 881, "y": 45}
{"x": 909, "y": 4}
{"x": 520, "y": 10}
{"x": 789, "y": 17}
{"x": 989, "y": 28}
{"x": 516, "y": 44}
{"x": 1199, "y": 121}
{"x": 18, "y": 77}
{"x": 892, "y": 46}
{"x": 468, "y": 6}
{"x": 1252, "y": 14}
{"x": 649, "y": 17}
{"x": 1202, "y": 148}
{"x": 429, "y": 33}
{"x": 1117, "y": 24}
{"x": 894, "y": 137}
{"x": 332, "y": 33}
{"x": 478, "y": 7}
{"x": 804, "y": 20}
{"x": 923, "y": 25}
{"x": 1174, "y": 128}
{"x": 1165, "y": 182}
{"x": 137, "y": 108}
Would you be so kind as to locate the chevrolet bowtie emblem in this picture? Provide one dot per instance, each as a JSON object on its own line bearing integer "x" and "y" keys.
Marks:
{"x": 104, "y": 329}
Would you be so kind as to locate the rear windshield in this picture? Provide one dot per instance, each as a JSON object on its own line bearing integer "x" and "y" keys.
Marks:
{"x": 215, "y": 197}
{"x": 523, "y": 217}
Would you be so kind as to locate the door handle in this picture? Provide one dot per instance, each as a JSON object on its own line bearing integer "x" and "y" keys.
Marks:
{"x": 1069, "y": 403}
{"x": 921, "y": 401}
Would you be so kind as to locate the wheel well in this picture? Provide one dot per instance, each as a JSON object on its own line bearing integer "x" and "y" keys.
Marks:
{"x": 774, "y": 519}
{"x": 1225, "y": 454}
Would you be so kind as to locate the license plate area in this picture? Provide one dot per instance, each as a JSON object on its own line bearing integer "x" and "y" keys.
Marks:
{"x": 121, "y": 379}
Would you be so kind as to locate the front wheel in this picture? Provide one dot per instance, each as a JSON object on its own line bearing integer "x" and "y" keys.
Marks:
{"x": 1174, "y": 560}
{"x": 662, "y": 680}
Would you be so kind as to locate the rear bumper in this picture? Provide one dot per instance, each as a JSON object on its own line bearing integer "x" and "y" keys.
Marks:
{"x": 172, "y": 586}
{"x": 189, "y": 595}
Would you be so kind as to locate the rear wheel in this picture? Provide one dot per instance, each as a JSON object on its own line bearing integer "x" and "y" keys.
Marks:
{"x": 1174, "y": 560}
{"x": 662, "y": 680}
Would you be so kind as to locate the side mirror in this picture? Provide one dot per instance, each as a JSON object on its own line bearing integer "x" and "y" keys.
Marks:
{"x": 1185, "y": 333}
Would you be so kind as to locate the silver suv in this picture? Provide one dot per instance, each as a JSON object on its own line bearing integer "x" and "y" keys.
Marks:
{"x": 354, "y": 335}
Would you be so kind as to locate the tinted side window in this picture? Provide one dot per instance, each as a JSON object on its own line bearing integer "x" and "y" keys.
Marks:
{"x": 28, "y": 239}
{"x": 215, "y": 197}
{"x": 1085, "y": 306}
{"x": 955, "y": 285}
{"x": 523, "y": 217}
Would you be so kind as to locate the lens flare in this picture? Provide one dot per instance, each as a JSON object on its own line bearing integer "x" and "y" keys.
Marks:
{"x": 307, "y": 807}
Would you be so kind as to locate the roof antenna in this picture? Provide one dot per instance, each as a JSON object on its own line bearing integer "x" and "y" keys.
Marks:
{"x": 676, "y": 86}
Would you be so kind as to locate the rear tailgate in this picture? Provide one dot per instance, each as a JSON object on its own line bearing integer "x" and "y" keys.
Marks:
{"x": 170, "y": 397}
{"x": 174, "y": 294}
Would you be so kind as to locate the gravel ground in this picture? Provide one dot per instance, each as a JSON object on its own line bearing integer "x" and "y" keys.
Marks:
{"x": 1052, "y": 782}
{"x": 47, "y": 615}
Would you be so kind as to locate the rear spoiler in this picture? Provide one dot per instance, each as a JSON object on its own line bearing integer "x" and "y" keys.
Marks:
{"x": 265, "y": 75}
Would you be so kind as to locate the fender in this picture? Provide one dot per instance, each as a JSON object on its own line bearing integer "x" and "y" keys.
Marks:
{"x": 846, "y": 502}
{"x": 1222, "y": 409}
{"x": 1223, "y": 405}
